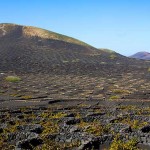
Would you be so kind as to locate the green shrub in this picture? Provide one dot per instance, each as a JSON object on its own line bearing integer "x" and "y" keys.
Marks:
{"x": 117, "y": 144}
{"x": 112, "y": 56}
{"x": 65, "y": 61}
{"x": 94, "y": 128}
{"x": 26, "y": 97}
{"x": 13, "y": 79}
{"x": 114, "y": 97}
{"x": 120, "y": 91}
{"x": 148, "y": 69}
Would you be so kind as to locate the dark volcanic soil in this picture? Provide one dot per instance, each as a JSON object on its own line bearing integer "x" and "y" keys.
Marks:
{"x": 80, "y": 124}
{"x": 44, "y": 87}
{"x": 74, "y": 112}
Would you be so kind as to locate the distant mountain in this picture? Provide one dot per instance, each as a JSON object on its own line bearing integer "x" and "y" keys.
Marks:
{"x": 141, "y": 55}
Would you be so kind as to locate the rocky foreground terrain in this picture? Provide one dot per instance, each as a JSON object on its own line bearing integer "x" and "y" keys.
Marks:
{"x": 78, "y": 125}
{"x": 74, "y": 112}
{"x": 57, "y": 92}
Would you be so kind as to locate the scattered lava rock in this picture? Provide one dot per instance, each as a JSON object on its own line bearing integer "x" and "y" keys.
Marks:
{"x": 36, "y": 128}
{"x": 146, "y": 129}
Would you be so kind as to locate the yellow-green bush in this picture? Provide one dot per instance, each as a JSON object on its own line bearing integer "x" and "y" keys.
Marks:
{"x": 117, "y": 144}
{"x": 120, "y": 91}
{"x": 114, "y": 97}
{"x": 26, "y": 97}
{"x": 94, "y": 128}
{"x": 52, "y": 145}
{"x": 112, "y": 56}
{"x": 135, "y": 124}
{"x": 13, "y": 79}
{"x": 148, "y": 69}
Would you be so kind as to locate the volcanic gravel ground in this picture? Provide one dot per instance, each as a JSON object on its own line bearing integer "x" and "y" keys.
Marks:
{"x": 73, "y": 112}
{"x": 64, "y": 124}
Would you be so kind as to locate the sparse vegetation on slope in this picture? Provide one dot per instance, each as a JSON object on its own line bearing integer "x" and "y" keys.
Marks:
{"x": 31, "y": 49}
{"x": 32, "y": 31}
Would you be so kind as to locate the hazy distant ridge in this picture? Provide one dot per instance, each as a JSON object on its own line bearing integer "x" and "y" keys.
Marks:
{"x": 141, "y": 55}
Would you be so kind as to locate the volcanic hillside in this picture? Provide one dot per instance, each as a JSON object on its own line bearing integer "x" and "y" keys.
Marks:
{"x": 31, "y": 49}
{"x": 57, "y": 92}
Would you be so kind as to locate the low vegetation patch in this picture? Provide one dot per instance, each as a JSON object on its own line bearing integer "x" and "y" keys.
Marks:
{"x": 26, "y": 97}
{"x": 120, "y": 91}
{"x": 13, "y": 79}
{"x": 52, "y": 145}
{"x": 148, "y": 69}
{"x": 50, "y": 128}
{"x": 114, "y": 97}
{"x": 112, "y": 56}
{"x": 94, "y": 128}
{"x": 118, "y": 144}
{"x": 135, "y": 124}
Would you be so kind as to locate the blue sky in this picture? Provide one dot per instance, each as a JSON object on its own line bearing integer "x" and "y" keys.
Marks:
{"x": 120, "y": 25}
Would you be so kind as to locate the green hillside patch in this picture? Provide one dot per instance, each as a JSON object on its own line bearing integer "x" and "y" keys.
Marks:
{"x": 34, "y": 31}
{"x": 106, "y": 50}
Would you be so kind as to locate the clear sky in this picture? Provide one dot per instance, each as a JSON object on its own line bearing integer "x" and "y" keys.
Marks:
{"x": 120, "y": 25}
